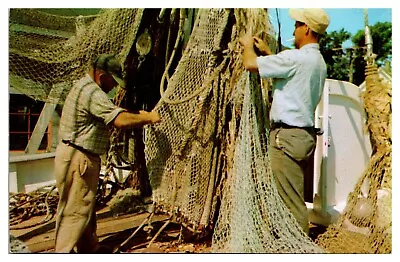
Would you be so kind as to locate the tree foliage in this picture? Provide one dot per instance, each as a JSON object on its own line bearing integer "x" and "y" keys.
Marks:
{"x": 381, "y": 34}
{"x": 336, "y": 59}
{"x": 348, "y": 64}
{"x": 382, "y": 40}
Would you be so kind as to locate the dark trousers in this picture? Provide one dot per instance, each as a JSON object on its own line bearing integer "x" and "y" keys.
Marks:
{"x": 290, "y": 151}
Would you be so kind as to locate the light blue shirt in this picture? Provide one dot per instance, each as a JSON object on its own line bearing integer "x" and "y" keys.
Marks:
{"x": 298, "y": 80}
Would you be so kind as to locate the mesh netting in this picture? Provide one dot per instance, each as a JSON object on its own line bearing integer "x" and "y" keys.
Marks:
{"x": 47, "y": 52}
{"x": 208, "y": 158}
{"x": 181, "y": 152}
{"x": 183, "y": 156}
{"x": 253, "y": 217}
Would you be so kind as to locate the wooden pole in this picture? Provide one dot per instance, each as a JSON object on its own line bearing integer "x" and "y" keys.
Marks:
{"x": 370, "y": 57}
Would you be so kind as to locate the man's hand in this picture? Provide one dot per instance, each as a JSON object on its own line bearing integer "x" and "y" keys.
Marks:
{"x": 153, "y": 116}
{"x": 262, "y": 47}
{"x": 249, "y": 55}
{"x": 126, "y": 120}
{"x": 246, "y": 41}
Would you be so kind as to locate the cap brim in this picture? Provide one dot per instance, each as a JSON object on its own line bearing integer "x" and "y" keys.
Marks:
{"x": 120, "y": 81}
{"x": 297, "y": 14}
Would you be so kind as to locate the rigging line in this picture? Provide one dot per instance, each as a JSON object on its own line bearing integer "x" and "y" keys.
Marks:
{"x": 279, "y": 31}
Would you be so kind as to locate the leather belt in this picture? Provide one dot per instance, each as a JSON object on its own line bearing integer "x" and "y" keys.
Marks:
{"x": 275, "y": 125}
{"x": 85, "y": 151}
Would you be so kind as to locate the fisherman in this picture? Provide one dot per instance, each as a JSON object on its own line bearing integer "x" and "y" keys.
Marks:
{"x": 298, "y": 80}
{"x": 87, "y": 114}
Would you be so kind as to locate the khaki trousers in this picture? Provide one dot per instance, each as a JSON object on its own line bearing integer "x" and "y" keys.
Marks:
{"x": 290, "y": 151}
{"x": 77, "y": 177}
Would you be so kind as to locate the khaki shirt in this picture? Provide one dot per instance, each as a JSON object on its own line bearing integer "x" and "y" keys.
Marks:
{"x": 86, "y": 114}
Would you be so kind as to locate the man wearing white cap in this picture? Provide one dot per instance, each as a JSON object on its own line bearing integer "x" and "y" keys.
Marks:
{"x": 299, "y": 76}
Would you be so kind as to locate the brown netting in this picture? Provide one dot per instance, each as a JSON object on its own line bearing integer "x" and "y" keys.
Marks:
{"x": 208, "y": 158}
{"x": 186, "y": 163}
{"x": 48, "y": 52}
{"x": 182, "y": 152}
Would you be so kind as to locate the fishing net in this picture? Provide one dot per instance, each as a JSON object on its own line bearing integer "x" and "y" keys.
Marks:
{"x": 184, "y": 157}
{"x": 182, "y": 152}
{"x": 208, "y": 159}
{"x": 48, "y": 52}
{"x": 253, "y": 217}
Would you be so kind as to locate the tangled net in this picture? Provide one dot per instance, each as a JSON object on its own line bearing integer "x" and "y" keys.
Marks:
{"x": 48, "y": 52}
{"x": 209, "y": 152}
{"x": 208, "y": 159}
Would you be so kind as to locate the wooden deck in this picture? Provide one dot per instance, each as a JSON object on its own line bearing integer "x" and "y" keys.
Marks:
{"x": 113, "y": 231}
{"x": 110, "y": 230}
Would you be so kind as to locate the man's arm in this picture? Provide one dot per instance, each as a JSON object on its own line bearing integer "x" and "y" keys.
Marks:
{"x": 126, "y": 120}
{"x": 249, "y": 56}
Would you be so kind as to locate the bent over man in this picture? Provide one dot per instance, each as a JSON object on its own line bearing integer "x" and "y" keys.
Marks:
{"x": 298, "y": 80}
{"x": 86, "y": 115}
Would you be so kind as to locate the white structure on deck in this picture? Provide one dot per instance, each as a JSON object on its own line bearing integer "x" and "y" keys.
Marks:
{"x": 26, "y": 173}
{"x": 343, "y": 150}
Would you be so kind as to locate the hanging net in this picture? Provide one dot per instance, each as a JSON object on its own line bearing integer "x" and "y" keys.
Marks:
{"x": 182, "y": 152}
{"x": 48, "y": 52}
{"x": 190, "y": 172}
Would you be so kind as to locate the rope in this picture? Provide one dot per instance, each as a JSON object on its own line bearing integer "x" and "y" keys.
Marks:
{"x": 279, "y": 31}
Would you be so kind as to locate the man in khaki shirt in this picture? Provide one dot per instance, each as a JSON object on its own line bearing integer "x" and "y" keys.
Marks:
{"x": 87, "y": 115}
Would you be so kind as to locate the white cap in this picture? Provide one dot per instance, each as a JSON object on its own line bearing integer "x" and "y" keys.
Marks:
{"x": 315, "y": 18}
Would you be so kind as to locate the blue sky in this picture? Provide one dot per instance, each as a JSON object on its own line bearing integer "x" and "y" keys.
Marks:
{"x": 351, "y": 19}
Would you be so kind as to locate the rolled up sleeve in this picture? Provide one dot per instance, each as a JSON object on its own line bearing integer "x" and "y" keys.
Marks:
{"x": 276, "y": 66}
{"x": 103, "y": 108}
